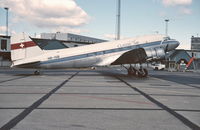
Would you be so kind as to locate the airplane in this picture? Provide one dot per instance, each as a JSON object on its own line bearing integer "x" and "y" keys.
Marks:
{"x": 27, "y": 52}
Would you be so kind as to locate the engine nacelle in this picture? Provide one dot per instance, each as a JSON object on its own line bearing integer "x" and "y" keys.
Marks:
{"x": 140, "y": 55}
{"x": 157, "y": 53}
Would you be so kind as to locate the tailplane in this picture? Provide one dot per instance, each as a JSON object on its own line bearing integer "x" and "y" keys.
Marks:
{"x": 23, "y": 47}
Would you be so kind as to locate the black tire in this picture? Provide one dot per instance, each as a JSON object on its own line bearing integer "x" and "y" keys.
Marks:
{"x": 137, "y": 73}
{"x": 131, "y": 72}
{"x": 37, "y": 72}
{"x": 142, "y": 73}
{"x": 145, "y": 72}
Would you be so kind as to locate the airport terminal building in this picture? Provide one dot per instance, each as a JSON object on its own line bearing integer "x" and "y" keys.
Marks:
{"x": 195, "y": 43}
{"x": 190, "y": 59}
{"x": 5, "y": 56}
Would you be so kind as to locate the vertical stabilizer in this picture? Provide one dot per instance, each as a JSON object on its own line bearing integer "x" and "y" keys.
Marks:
{"x": 23, "y": 47}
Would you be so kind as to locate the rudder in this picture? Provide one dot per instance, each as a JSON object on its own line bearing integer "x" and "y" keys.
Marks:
{"x": 23, "y": 47}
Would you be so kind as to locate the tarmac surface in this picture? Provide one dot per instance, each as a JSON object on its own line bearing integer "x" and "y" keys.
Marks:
{"x": 102, "y": 99}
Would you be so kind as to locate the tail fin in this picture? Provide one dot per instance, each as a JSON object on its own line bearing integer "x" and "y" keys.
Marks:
{"x": 23, "y": 47}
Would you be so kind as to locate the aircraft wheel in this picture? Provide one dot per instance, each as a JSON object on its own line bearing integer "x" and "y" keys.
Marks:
{"x": 142, "y": 73}
{"x": 131, "y": 72}
{"x": 37, "y": 72}
{"x": 145, "y": 72}
{"x": 137, "y": 73}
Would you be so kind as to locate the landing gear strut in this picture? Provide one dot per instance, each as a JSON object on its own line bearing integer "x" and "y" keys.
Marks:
{"x": 142, "y": 72}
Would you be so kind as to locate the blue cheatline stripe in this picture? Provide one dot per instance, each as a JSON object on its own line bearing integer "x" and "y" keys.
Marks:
{"x": 101, "y": 52}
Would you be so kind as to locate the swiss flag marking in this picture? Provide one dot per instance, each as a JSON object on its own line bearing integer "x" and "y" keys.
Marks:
{"x": 22, "y": 45}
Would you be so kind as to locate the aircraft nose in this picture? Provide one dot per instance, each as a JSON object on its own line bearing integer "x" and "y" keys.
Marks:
{"x": 175, "y": 44}
{"x": 172, "y": 45}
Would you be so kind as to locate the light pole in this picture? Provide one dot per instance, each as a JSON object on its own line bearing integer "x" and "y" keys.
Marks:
{"x": 118, "y": 20}
{"x": 6, "y": 8}
{"x": 166, "y": 28}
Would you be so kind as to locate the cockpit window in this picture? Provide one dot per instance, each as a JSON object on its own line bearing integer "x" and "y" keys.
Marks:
{"x": 166, "y": 38}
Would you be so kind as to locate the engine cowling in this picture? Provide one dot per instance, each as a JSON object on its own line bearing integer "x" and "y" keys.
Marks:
{"x": 140, "y": 55}
{"x": 157, "y": 53}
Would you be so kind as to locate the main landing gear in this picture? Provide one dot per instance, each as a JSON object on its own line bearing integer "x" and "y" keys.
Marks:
{"x": 142, "y": 72}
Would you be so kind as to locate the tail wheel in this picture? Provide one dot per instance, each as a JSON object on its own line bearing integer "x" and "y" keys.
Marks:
{"x": 37, "y": 72}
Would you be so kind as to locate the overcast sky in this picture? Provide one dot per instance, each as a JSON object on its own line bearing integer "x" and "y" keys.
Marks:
{"x": 97, "y": 18}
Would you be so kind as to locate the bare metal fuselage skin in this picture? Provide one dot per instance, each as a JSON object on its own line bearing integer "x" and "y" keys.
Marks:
{"x": 101, "y": 54}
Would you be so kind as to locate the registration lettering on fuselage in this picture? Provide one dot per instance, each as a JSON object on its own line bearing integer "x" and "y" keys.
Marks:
{"x": 53, "y": 57}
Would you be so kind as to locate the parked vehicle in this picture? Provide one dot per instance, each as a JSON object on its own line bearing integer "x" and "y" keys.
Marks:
{"x": 158, "y": 66}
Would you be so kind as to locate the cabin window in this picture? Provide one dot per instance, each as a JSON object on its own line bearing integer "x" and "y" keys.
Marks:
{"x": 99, "y": 53}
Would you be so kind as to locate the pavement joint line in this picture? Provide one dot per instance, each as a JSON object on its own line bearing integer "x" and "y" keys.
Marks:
{"x": 25, "y": 85}
{"x": 95, "y": 108}
{"x": 13, "y": 122}
{"x": 185, "y": 110}
{"x": 78, "y": 93}
{"x": 111, "y": 99}
{"x": 78, "y": 108}
{"x": 162, "y": 95}
{"x": 172, "y": 95}
{"x": 96, "y": 87}
{"x": 169, "y": 87}
{"x": 196, "y": 87}
{"x": 171, "y": 91}
{"x": 193, "y": 86}
{"x": 183, "y": 119}
{"x": 13, "y": 79}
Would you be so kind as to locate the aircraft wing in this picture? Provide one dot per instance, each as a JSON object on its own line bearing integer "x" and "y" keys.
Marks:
{"x": 131, "y": 57}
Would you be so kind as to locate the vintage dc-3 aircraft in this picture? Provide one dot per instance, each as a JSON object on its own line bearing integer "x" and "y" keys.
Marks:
{"x": 27, "y": 52}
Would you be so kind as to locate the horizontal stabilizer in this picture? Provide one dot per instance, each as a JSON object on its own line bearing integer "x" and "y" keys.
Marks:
{"x": 49, "y": 44}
